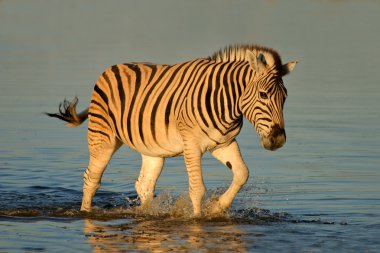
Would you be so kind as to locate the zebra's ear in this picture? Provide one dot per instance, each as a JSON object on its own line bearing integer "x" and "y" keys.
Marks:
{"x": 257, "y": 62}
{"x": 288, "y": 67}
{"x": 252, "y": 59}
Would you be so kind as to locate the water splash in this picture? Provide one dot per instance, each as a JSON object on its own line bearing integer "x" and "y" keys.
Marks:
{"x": 48, "y": 203}
{"x": 165, "y": 206}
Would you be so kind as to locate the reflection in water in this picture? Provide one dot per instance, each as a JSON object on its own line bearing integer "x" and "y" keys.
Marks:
{"x": 166, "y": 225}
{"x": 164, "y": 235}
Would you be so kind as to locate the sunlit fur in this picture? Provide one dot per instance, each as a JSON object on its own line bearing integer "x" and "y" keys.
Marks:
{"x": 267, "y": 113}
{"x": 188, "y": 108}
{"x": 238, "y": 53}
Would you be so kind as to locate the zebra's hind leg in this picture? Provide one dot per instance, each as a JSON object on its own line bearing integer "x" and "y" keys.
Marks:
{"x": 231, "y": 157}
{"x": 146, "y": 183}
{"x": 101, "y": 153}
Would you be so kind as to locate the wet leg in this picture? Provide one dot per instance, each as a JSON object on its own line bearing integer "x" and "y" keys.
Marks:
{"x": 197, "y": 188}
{"x": 192, "y": 153}
{"x": 100, "y": 155}
{"x": 146, "y": 183}
{"x": 231, "y": 157}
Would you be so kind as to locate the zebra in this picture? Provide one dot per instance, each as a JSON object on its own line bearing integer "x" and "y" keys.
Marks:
{"x": 184, "y": 109}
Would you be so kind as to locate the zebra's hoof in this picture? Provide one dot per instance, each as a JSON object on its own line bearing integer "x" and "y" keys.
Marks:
{"x": 215, "y": 208}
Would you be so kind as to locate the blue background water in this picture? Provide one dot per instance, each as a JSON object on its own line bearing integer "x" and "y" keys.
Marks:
{"x": 319, "y": 193}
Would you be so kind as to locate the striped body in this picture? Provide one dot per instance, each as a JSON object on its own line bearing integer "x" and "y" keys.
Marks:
{"x": 145, "y": 105}
{"x": 167, "y": 110}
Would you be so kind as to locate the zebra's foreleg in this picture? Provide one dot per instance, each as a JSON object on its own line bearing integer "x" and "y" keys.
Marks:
{"x": 231, "y": 157}
{"x": 150, "y": 171}
{"x": 197, "y": 188}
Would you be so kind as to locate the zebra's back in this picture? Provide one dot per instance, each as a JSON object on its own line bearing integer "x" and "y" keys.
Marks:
{"x": 143, "y": 104}
{"x": 139, "y": 104}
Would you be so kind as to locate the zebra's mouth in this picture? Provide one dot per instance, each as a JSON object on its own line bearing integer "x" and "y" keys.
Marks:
{"x": 276, "y": 139}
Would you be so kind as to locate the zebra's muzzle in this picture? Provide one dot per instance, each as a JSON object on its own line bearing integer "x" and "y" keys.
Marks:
{"x": 276, "y": 138}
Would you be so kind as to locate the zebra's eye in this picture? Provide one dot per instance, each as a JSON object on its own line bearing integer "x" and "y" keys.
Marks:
{"x": 263, "y": 95}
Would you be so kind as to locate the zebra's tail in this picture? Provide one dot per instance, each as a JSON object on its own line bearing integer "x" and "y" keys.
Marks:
{"x": 67, "y": 112}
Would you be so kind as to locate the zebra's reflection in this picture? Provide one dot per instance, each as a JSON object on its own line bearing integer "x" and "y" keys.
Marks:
{"x": 165, "y": 235}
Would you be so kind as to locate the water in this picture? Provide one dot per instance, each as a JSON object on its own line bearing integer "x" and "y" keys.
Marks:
{"x": 319, "y": 193}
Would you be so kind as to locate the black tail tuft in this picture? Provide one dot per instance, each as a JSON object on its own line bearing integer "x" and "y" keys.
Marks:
{"x": 68, "y": 113}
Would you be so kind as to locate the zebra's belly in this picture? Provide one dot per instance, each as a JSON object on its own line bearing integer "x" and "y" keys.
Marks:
{"x": 159, "y": 151}
{"x": 162, "y": 145}
{"x": 170, "y": 143}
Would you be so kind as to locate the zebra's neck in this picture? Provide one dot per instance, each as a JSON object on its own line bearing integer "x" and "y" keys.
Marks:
{"x": 231, "y": 80}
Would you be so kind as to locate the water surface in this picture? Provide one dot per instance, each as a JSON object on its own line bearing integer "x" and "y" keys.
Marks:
{"x": 319, "y": 193}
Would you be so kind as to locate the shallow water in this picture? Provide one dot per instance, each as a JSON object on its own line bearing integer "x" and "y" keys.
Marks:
{"x": 319, "y": 193}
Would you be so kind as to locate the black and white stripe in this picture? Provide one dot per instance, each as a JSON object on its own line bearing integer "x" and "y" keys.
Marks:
{"x": 188, "y": 108}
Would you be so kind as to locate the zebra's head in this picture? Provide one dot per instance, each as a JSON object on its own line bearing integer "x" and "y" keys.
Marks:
{"x": 263, "y": 98}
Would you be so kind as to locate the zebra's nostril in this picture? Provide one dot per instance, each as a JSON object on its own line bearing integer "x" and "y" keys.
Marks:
{"x": 277, "y": 130}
